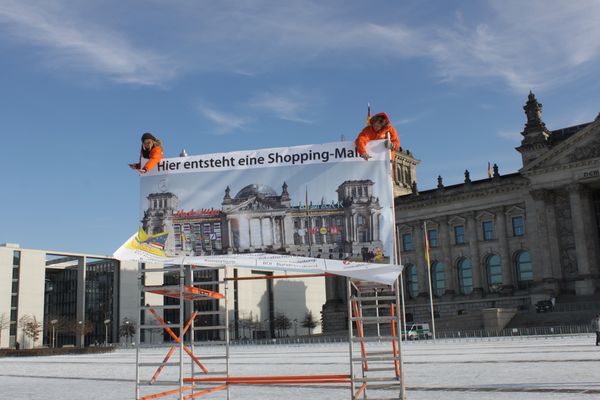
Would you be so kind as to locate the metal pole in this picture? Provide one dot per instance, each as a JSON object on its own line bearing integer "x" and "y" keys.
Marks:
{"x": 377, "y": 311}
{"x": 402, "y": 298}
{"x": 401, "y": 287}
{"x": 350, "y": 335}
{"x": 192, "y": 335}
{"x": 399, "y": 338}
{"x": 429, "y": 276}
{"x": 181, "y": 316}
{"x": 138, "y": 333}
{"x": 226, "y": 294}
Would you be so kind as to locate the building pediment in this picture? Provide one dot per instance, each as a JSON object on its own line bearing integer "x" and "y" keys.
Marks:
{"x": 405, "y": 228}
{"x": 583, "y": 146}
{"x": 515, "y": 210}
{"x": 456, "y": 220}
{"x": 484, "y": 216}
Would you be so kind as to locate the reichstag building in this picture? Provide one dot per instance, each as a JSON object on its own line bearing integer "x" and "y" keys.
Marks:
{"x": 509, "y": 240}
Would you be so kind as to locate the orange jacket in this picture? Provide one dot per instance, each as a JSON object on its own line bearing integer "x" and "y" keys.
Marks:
{"x": 156, "y": 154}
{"x": 368, "y": 134}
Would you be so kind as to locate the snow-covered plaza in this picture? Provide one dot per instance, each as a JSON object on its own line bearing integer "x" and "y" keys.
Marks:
{"x": 548, "y": 367}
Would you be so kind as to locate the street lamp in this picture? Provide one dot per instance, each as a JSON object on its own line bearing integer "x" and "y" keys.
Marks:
{"x": 127, "y": 330}
{"x": 106, "y": 322}
{"x": 53, "y": 323}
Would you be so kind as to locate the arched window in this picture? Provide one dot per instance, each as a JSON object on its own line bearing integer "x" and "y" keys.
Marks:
{"x": 412, "y": 281}
{"x": 494, "y": 272}
{"x": 438, "y": 279}
{"x": 465, "y": 276}
{"x": 524, "y": 268}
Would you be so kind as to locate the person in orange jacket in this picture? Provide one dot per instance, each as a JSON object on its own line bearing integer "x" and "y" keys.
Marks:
{"x": 151, "y": 150}
{"x": 379, "y": 128}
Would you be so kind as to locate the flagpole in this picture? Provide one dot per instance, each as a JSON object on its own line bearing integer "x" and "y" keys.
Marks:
{"x": 429, "y": 276}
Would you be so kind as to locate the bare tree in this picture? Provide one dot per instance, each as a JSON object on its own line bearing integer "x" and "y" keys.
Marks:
{"x": 282, "y": 323}
{"x": 23, "y": 321}
{"x": 309, "y": 322}
{"x": 32, "y": 329}
{"x": 4, "y": 323}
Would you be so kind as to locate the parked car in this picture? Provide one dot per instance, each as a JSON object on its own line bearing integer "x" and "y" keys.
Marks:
{"x": 543, "y": 306}
{"x": 417, "y": 331}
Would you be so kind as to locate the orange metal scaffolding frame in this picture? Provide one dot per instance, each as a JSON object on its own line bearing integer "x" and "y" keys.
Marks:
{"x": 193, "y": 386}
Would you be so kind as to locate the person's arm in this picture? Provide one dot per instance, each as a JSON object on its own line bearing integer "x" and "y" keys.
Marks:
{"x": 156, "y": 154}
{"x": 361, "y": 144}
{"x": 394, "y": 138}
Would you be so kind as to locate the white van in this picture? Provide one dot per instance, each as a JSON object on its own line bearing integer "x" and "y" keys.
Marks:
{"x": 418, "y": 331}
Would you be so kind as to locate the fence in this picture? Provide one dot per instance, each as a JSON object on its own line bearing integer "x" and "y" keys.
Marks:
{"x": 515, "y": 332}
{"x": 536, "y": 331}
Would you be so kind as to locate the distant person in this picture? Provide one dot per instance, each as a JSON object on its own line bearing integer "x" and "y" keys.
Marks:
{"x": 17, "y": 346}
{"x": 379, "y": 128}
{"x": 596, "y": 328}
{"x": 151, "y": 151}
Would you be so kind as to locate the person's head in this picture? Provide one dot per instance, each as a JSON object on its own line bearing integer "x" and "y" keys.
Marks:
{"x": 148, "y": 141}
{"x": 379, "y": 122}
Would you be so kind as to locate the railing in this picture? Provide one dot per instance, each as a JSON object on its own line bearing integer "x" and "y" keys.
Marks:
{"x": 536, "y": 331}
{"x": 455, "y": 334}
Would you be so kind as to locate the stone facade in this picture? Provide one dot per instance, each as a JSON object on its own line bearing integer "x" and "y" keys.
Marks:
{"x": 510, "y": 240}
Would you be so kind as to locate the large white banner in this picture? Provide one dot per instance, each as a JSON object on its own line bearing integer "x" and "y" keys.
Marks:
{"x": 304, "y": 209}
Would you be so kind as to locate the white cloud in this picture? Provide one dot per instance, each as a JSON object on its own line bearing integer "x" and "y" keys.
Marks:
{"x": 71, "y": 43}
{"x": 287, "y": 106}
{"x": 538, "y": 44}
{"x": 529, "y": 45}
{"x": 224, "y": 123}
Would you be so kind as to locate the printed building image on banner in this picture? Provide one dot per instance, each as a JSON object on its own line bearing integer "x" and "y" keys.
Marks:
{"x": 321, "y": 201}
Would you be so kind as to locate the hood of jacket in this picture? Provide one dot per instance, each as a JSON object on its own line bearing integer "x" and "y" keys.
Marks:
{"x": 382, "y": 115}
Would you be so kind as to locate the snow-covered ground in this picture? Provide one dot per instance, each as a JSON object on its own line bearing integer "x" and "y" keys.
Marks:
{"x": 497, "y": 368}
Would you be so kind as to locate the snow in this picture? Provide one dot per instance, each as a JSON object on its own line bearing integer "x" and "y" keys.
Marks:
{"x": 548, "y": 367}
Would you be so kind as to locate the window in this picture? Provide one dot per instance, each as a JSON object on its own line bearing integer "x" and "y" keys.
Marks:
{"x": 407, "y": 242}
{"x": 459, "y": 234}
{"x": 438, "y": 279}
{"x": 412, "y": 281}
{"x": 432, "y": 234}
{"x": 488, "y": 230}
{"x": 518, "y": 226}
{"x": 524, "y": 268}
{"x": 16, "y": 258}
{"x": 494, "y": 273}
{"x": 465, "y": 276}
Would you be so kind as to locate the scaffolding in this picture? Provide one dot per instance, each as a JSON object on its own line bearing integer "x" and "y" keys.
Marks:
{"x": 199, "y": 296}
{"x": 373, "y": 319}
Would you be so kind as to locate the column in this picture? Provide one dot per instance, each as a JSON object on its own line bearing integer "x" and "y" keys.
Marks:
{"x": 80, "y": 307}
{"x": 581, "y": 229}
{"x": 471, "y": 233}
{"x": 507, "y": 273}
{"x": 420, "y": 261}
{"x": 451, "y": 275}
{"x": 229, "y": 234}
{"x": 538, "y": 228}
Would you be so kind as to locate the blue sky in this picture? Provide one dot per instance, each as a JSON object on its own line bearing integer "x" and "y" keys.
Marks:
{"x": 81, "y": 81}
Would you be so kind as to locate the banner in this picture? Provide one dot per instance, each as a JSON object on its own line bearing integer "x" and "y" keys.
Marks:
{"x": 300, "y": 208}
